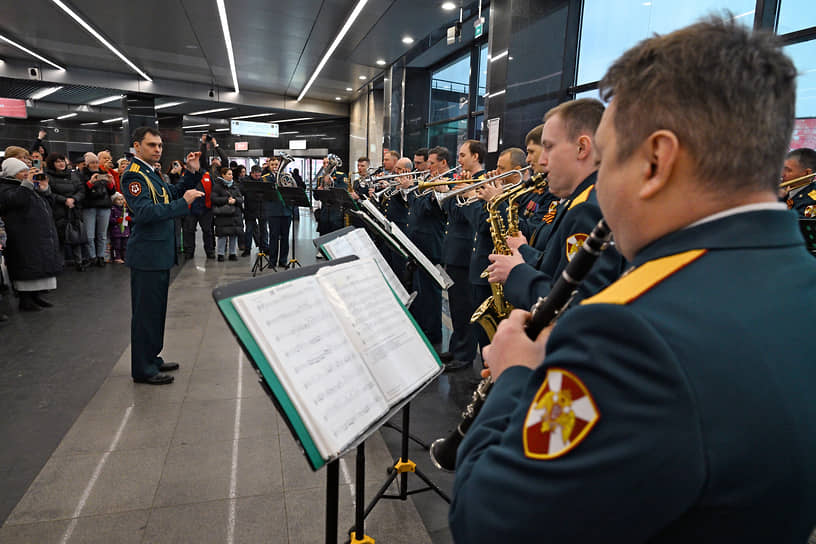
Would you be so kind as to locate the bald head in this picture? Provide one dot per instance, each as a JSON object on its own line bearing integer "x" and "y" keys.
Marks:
{"x": 404, "y": 165}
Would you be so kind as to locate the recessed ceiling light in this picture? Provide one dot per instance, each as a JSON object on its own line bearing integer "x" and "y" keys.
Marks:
{"x": 168, "y": 105}
{"x": 30, "y": 52}
{"x": 362, "y": 77}
{"x": 100, "y": 101}
{"x": 407, "y": 40}
{"x": 290, "y": 132}
{"x": 67, "y": 115}
{"x": 222, "y": 14}
{"x": 349, "y": 89}
{"x": 221, "y": 129}
{"x": 449, "y": 6}
{"x": 203, "y": 112}
{"x": 46, "y": 120}
{"x": 196, "y": 126}
{"x": 42, "y": 93}
{"x": 380, "y": 62}
{"x": 89, "y": 124}
{"x": 337, "y": 98}
{"x": 112, "y": 120}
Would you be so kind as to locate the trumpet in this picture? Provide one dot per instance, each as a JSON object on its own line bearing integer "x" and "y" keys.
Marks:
{"x": 796, "y": 183}
{"x": 476, "y": 184}
{"x": 425, "y": 186}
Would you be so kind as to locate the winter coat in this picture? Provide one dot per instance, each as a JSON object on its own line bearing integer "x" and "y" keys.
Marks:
{"x": 98, "y": 194}
{"x": 227, "y": 225}
{"x": 120, "y": 216}
{"x": 253, "y": 202}
{"x": 32, "y": 251}
{"x": 64, "y": 184}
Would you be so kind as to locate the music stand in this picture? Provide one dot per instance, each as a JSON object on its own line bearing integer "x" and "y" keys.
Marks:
{"x": 294, "y": 197}
{"x": 264, "y": 191}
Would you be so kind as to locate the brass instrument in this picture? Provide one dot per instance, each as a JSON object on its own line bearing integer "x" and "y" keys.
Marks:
{"x": 391, "y": 187}
{"x": 797, "y": 183}
{"x": 334, "y": 162}
{"x": 476, "y": 184}
{"x": 475, "y": 198}
{"x": 538, "y": 181}
{"x": 285, "y": 179}
{"x": 425, "y": 186}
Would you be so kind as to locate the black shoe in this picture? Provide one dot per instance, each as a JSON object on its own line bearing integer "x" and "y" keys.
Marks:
{"x": 3, "y": 317}
{"x": 86, "y": 263}
{"x": 233, "y": 257}
{"x": 158, "y": 379}
{"x": 285, "y": 266}
{"x": 27, "y": 303}
{"x": 445, "y": 356}
{"x": 220, "y": 258}
{"x": 168, "y": 367}
{"x": 81, "y": 267}
{"x": 188, "y": 256}
{"x": 457, "y": 365}
{"x": 246, "y": 253}
{"x": 210, "y": 256}
{"x": 100, "y": 262}
{"x": 41, "y": 302}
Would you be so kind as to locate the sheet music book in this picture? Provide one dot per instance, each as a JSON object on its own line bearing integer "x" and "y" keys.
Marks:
{"x": 336, "y": 362}
{"x": 358, "y": 242}
{"x": 375, "y": 213}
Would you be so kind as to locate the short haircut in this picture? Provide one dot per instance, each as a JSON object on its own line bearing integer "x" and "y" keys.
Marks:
{"x": 140, "y": 133}
{"x": 534, "y": 135}
{"x": 805, "y": 156}
{"x": 518, "y": 158}
{"x": 255, "y": 169}
{"x": 364, "y": 159}
{"x": 727, "y": 93}
{"x": 477, "y": 148}
{"x": 224, "y": 170}
{"x": 405, "y": 162}
{"x": 580, "y": 116}
{"x": 441, "y": 153}
{"x": 394, "y": 154}
{"x": 52, "y": 158}
{"x": 422, "y": 152}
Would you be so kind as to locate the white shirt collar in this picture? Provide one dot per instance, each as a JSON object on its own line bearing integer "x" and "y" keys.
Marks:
{"x": 740, "y": 209}
{"x": 135, "y": 158}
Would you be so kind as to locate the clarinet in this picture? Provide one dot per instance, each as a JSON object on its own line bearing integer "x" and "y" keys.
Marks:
{"x": 543, "y": 313}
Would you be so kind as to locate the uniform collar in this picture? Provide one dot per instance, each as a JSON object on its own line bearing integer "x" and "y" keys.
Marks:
{"x": 740, "y": 228}
{"x": 803, "y": 190}
{"x": 589, "y": 180}
{"x": 140, "y": 161}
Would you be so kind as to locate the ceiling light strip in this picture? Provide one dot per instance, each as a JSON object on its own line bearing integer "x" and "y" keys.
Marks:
{"x": 67, "y": 116}
{"x": 71, "y": 13}
{"x": 42, "y": 93}
{"x": 100, "y": 101}
{"x": 112, "y": 120}
{"x": 168, "y": 105}
{"x": 30, "y": 52}
{"x": 203, "y": 112}
{"x": 340, "y": 35}
{"x": 222, "y": 14}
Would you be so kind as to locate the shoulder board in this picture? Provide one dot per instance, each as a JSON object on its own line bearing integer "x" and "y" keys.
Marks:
{"x": 133, "y": 167}
{"x": 812, "y": 194}
{"x": 580, "y": 199}
{"x": 640, "y": 280}
{"x": 340, "y": 173}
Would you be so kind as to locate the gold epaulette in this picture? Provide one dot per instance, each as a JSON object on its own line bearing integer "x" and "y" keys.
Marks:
{"x": 634, "y": 284}
{"x": 580, "y": 199}
{"x": 133, "y": 167}
{"x": 812, "y": 194}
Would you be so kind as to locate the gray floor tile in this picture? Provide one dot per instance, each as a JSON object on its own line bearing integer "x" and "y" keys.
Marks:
{"x": 119, "y": 392}
{"x": 124, "y": 528}
{"x": 208, "y": 420}
{"x": 257, "y": 519}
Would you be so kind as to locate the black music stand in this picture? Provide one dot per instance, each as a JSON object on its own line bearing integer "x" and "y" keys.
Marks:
{"x": 264, "y": 191}
{"x": 294, "y": 197}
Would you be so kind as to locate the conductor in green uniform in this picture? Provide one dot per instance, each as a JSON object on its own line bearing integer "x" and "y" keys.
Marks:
{"x": 151, "y": 250}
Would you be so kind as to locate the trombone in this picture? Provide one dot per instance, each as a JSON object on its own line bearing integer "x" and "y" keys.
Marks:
{"x": 478, "y": 183}
{"x": 797, "y": 183}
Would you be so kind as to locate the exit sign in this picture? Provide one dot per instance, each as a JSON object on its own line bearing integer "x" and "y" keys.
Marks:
{"x": 241, "y": 146}
{"x": 478, "y": 25}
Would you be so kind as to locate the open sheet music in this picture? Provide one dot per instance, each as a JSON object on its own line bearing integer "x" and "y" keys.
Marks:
{"x": 342, "y": 347}
{"x": 358, "y": 242}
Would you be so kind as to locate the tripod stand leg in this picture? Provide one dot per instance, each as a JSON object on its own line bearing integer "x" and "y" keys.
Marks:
{"x": 359, "y": 515}
{"x": 332, "y": 500}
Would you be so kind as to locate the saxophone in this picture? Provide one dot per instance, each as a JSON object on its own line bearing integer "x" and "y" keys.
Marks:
{"x": 538, "y": 181}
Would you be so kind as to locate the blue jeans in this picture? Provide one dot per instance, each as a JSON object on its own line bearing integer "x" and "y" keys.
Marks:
{"x": 96, "y": 225}
{"x": 221, "y": 244}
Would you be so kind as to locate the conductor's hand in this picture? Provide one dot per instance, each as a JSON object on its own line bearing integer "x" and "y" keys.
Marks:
{"x": 515, "y": 242}
{"x": 192, "y": 161}
{"x": 191, "y": 195}
{"x": 512, "y": 347}
{"x": 501, "y": 265}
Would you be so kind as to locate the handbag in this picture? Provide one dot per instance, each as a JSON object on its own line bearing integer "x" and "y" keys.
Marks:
{"x": 226, "y": 209}
{"x": 74, "y": 232}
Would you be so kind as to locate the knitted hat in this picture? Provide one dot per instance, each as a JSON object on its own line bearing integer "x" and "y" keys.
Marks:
{"x": 12, "y": 167}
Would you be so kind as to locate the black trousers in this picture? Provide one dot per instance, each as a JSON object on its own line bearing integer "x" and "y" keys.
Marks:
{"x": 252, "y": 231}
{"x": 462, "y": 340}
{"x": 277, "y": 230}
{"x": 427, "y": 306}
{"x": 206, "y": 222}
{"x": 148, "y": 301}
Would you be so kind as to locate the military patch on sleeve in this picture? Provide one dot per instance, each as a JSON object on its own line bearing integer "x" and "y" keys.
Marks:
{"x": 574, "y": 243}
{"x": 560, "y": 417}
{"x": 810, "y": 211}
{"x": 135, "y": 188}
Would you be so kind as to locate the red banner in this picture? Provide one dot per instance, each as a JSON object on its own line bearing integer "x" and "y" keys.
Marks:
{"x": 804, "y": 133}
{"x": 11, "y": 107}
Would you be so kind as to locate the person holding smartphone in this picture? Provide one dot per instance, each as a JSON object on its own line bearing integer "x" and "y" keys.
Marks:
{"x": 99, "y": 188}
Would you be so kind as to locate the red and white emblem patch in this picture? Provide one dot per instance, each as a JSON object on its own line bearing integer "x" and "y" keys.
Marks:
{"x": 810, "y": 211}
{"x": 574, "y": 243}
{"x": 135, "y": 188}
{"x": 560, "y": 416}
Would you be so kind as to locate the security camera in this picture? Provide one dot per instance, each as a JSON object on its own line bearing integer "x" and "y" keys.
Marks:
{"x": 211, "y": 93}
{"x": 33, "y": 72}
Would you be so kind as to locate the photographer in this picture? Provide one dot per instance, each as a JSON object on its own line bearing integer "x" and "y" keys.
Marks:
{"x": 99, "y": 187}
{"x": 68, "y": 193}
{"x": 215, "y": 157}
{"x": 32, "y": 254}
{"x": 174, "y": 174}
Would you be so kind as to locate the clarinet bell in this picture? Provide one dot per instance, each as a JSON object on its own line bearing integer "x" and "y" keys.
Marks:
{"x": 443, "y": 451}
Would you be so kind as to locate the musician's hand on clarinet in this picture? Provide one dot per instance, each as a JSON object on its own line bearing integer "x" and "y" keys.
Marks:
{"x": 515, "y": 242}
{"x": 501, "y": 265}
{"x": 512, "y": 347}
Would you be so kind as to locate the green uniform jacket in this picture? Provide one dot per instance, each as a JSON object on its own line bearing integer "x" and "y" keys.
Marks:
{"x": 152, "y": 245}
{"x": 699, "y": 367}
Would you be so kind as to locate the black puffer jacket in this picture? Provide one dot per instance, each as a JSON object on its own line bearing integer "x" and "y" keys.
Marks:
{"x": 227, "y": 225}
{"x": 97, "y": 194}
{"x": 32, "y": 250}
{"x": 64, "y": 185}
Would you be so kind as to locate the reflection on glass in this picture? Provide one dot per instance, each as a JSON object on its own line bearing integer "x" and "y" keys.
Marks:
{"x": 450, "y": 89}
{"x": 479, "y": 128}
{"x": 804, "y": 57}
{"x": 795, "y": 15}
{"x": 483, "y": 71}
{"x": 610, "y": 27}
{"x": 450, "y": 135}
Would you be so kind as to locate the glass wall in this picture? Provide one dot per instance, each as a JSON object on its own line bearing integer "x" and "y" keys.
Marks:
{"x": 450, "y": 90}
{"x": 796, "y": 15}
{"x": 451, "y": 134}
{"x": 804, "y": 57}
{"x": 610, "y": 27}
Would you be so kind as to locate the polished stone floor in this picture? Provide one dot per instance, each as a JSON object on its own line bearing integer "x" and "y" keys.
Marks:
{"x": 88, "y": 456}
